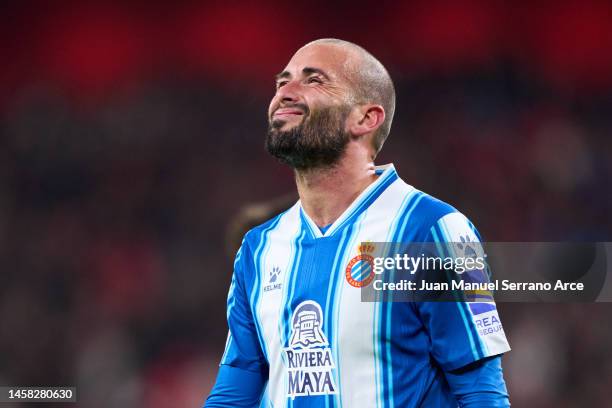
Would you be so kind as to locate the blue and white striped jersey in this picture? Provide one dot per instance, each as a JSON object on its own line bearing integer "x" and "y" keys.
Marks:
{"x": 295, "y": 310}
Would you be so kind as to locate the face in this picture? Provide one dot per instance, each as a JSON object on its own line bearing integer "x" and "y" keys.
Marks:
{"x": 307, "y": 116}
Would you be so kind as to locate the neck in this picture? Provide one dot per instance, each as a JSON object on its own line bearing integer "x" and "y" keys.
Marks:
{"x": 326, "y": 193}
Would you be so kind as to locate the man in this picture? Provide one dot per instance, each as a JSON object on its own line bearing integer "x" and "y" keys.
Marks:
{"x": 296, "y": 319}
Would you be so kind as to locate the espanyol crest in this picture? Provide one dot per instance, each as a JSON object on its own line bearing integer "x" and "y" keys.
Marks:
{"x": 359, "y": 272}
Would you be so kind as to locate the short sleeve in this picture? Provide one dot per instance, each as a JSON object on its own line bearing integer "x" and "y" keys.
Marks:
{"x": 462, "y": 331}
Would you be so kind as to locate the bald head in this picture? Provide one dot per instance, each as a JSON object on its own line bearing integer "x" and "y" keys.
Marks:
{"x": 370, "y": 82}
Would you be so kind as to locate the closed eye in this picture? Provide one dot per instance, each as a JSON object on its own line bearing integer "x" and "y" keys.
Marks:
{"x": 280, "y": 84}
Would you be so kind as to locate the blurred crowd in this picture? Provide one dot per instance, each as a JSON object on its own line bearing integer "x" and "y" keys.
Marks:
{"x": 113, "y": 219}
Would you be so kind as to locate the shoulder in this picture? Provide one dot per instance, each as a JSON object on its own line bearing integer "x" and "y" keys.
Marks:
{"x": 256, "y": 235}
{"x": 428, "y": 214}
{"x": 429, "y": 209}
{"x": 252, "y": 245}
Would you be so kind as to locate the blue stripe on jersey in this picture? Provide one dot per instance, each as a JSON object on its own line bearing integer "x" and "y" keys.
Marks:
{"x": 322, "y": 251}
{"x": 426, "y": 212}
{"x": 397, "y": 238}
{"x": 380, "y": 316}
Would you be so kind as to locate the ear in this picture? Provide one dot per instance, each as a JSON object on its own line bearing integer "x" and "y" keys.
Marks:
{"x": 365, "y": 119}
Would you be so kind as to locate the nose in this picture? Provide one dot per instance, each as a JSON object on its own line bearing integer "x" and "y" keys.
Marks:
{"x": 288, "y": 93}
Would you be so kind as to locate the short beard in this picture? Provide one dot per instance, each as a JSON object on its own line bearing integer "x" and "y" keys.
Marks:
{"x": 318, "y": 142}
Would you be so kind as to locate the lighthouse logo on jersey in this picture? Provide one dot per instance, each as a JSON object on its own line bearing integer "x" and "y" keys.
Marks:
{"x": 308, "y": 358}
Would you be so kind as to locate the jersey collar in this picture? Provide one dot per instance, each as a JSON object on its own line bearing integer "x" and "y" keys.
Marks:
{"x": 387, "y": 175}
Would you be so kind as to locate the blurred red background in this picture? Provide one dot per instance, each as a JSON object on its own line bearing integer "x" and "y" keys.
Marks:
{"x": 99, "y": 47}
